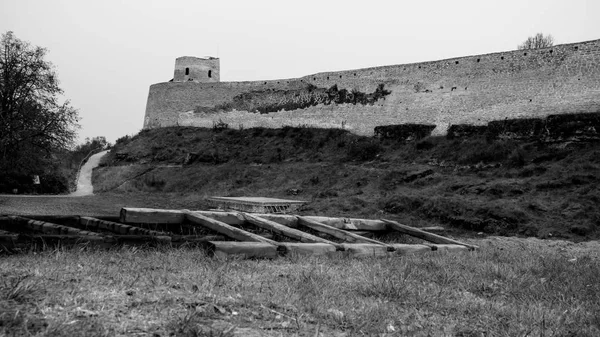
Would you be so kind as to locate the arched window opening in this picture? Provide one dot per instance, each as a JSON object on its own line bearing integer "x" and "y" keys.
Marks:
{"x": 210, "y": 74}
{"x": 187, "y": 71}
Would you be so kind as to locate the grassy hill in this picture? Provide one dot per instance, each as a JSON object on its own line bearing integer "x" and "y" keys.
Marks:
{"x": 477, "y": 184}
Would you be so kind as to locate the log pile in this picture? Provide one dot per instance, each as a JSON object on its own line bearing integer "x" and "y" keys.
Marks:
{"x": 231, "y": 234}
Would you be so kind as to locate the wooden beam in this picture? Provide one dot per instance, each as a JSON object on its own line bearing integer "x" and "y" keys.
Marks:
{"x": 49, "y": 228}
{"x": 150, "y": 215}
{"x": 286, "y": 231}
{"x": 93, "y": 223}
{"x": 425, "y": 235}
{"x": 225, "y": 229}
{"x": 244, "y": 249}
{"x": 338, "y": 233}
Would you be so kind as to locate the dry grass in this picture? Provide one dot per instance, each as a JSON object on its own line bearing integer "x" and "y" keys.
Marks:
{"x": 511, "y": 287}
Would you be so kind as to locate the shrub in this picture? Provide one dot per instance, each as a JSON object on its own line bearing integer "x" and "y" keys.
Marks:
{"x": 404, "y": 132}
{"x": 364, "y": 150}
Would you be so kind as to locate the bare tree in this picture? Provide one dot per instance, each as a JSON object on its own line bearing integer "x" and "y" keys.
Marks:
{"x": 538, "y": 41}
{"x": 33, "y": 123}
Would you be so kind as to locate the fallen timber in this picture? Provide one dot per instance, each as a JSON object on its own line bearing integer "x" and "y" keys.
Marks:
{"x": 24, "y": 241}
{"x": 421, "y": 234}
{"x": 286, "y": 225}
{"x": 223, "y": 233}
{"x": 147, "y": 215}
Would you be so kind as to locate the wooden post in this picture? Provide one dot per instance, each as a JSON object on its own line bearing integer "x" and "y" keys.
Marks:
{"x": 425, "y": 235}
{"x": 225, "y": 229}
{"x": 286, "y": 231}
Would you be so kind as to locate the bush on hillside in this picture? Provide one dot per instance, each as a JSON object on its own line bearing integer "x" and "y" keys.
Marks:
{"x": 364, "y": 150}
{"x": 49, "y": 184}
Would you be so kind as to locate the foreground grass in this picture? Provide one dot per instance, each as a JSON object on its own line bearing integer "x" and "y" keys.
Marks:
{"x": 511, "y": 287}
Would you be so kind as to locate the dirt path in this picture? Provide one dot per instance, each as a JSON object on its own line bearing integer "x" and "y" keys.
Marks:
{"x": 84, "y": 182}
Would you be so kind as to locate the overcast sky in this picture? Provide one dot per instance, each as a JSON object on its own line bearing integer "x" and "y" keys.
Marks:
{"x": 107, "y": 53}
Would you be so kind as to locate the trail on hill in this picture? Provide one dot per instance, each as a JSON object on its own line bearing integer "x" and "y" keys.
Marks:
{"x": 84, "y": 181}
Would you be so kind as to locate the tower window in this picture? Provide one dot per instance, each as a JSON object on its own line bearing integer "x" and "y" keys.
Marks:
{"x": 187, "y": 71}
{"x": 209, "y": 73}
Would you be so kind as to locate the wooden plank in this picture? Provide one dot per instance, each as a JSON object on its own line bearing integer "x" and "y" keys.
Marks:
{"x": 49, "y": 228}
{"x": 309, "y": 248}
{"x": 425, "y": 235}
{"x": 284, "y": 230}
{"x": 225, "y": 229}
{"x": 93, "y": 223}
{"x": 224, "y": 249}
{"x": 338, "y": 233}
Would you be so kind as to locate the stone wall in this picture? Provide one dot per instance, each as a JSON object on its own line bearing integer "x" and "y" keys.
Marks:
{"x": 466, "y": 90}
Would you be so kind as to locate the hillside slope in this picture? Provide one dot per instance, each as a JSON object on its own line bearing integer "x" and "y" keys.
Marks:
{"x": 504, "y": 186}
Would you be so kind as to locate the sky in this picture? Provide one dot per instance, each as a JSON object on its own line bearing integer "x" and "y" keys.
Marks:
{"x": 107, "y": 53}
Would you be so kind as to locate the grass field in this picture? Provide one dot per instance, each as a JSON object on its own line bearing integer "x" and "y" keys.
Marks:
{"x": 510, "y": 287}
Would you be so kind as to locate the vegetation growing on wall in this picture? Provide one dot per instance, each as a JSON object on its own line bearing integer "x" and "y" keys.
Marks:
{"x": 573, "y": 127}
{"x": 404, "y": 132}
{"x": 266, "y": 101}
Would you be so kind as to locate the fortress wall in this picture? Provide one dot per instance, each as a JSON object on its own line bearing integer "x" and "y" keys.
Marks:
{"x": 474, "y": 90}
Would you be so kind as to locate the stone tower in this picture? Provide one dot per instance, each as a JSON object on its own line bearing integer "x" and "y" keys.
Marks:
{"x": 196, "y": 69}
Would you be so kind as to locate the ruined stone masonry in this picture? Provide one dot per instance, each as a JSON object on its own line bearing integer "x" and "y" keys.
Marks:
{"x": 472, "y": 90}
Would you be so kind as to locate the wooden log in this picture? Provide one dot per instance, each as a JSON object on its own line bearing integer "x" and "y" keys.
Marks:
{"x": 433, "y": 229}
{"x": 225, "y": 229}
{"x": 6, "y": 237}
{"x": 67, "y": 220}
{"x": 309, "y": 248}
{"x": 49, "y": 228}
{"x": 197, "y": 238}
{"x": 25, "y": 241}
{"x": 407, "y": 249}
{"x": 425, "y": 235}
{"x": 338, "y": 233}
{"x": 286, "y": 231}
{"x": 93, "y": 223}
{"x": 148, "y": 215}
{"x": 351, "y": 223}
{"x": 224, "y": 249}
{"x": 451, "y": 248}
{"x": 365, "y": 250}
